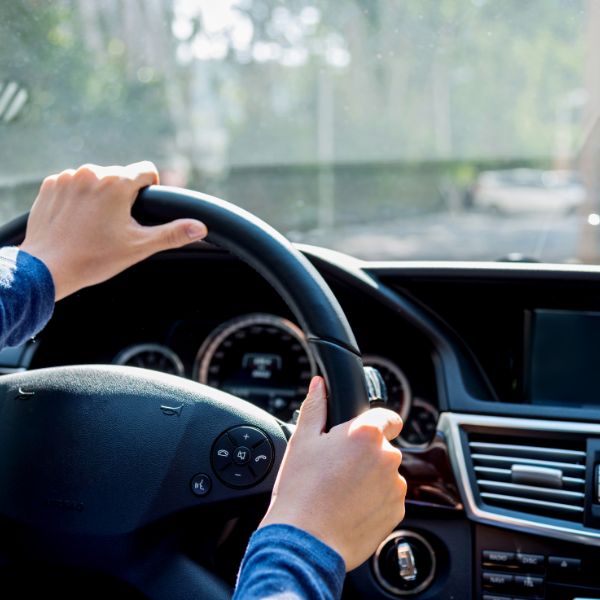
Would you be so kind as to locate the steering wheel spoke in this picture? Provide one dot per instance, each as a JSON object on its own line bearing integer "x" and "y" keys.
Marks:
{"x": 107, "y": 450}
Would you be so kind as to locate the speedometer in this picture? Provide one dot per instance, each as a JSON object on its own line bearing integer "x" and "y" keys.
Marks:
{"x": 259, "y": 357}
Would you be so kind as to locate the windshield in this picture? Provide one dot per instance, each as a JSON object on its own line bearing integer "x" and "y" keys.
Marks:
{"x": 422, "y": 129}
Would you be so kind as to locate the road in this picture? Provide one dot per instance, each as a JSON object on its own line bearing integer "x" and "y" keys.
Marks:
{"x": 466, "y": 236}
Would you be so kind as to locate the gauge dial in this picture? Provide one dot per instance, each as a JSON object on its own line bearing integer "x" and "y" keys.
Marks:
{"x": 421, "y": 424}
{"x": 151, "y": 356}
{"x": 398, "y": 386}
{"x": 259, "y": 357}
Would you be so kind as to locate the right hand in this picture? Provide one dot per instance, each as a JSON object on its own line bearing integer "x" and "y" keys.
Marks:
{"x": 343, "y": 486}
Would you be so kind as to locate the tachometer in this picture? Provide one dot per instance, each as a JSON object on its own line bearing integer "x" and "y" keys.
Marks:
{"x": 398, "y": 387}
{"x": 259, "y": 357}
{"x": 421, "y": 424}
{"x": 151, "y": 356}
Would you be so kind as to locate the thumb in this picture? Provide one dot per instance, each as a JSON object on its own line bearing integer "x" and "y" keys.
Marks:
{"x": 175, "y": 234}
{"x": 313, "y": 412}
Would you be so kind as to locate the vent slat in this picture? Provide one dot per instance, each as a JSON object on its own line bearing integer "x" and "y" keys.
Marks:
{"x": 502, "y": 498}
{"x": 559, "y": 454}
{"x": 518, "y": 460}
{"x": 533, "y": 491}
{"x": 574, "y": 481}
{"x": 505, "y": 475}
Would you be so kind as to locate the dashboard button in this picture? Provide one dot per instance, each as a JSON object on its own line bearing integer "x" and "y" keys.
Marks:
{"x": 499, "y": 580}
{"x": 564, "y": 564}
{"x": 222, "y": 454}
{"x": 498, "y": 557}
{"x": 531, "y": 561}
{"x": 262, "y": 457}
{"x": 529, "y": 582}
{"x": 246, "y": 436}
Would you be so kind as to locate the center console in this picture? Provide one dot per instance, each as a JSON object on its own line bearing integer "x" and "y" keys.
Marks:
{"x": 512, "y": 566}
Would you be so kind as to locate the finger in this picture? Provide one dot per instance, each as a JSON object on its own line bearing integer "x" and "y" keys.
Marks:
{"x": 174, "y": 234}
{"x": 387, "y": 421}
{"x": 394, "y": 453}
{"x": 144, "y": 173}
{"x": 313, "y": 412}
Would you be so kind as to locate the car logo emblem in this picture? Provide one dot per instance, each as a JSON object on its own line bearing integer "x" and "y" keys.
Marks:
{"x": 171, "y": 410}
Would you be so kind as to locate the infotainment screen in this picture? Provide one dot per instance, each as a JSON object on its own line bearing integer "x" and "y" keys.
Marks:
{"x": 563, "y": 358}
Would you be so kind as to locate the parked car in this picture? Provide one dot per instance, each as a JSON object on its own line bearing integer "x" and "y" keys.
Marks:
{"x": 528, "y": 190}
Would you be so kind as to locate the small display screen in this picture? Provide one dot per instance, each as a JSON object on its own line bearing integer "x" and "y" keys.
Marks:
{"x": 563, "y": 358}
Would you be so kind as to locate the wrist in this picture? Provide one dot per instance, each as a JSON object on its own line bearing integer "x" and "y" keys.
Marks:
{"x": 306, "y": 524}
{"x": 49, "y": 264}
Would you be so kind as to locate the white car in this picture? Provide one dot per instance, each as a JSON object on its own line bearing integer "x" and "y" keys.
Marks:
{"x": 528, "y": 190}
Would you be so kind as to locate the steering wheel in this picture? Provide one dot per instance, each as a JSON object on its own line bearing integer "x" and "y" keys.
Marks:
{"x": 95, "y": 459}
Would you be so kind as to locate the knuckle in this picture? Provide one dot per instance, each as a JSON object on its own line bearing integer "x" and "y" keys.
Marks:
{"x": 48, "y": 182}
{"x": 367, "y": 433}
{"x": 110, "y": 180}
{"x": 393, "y": 457}
{"x": 171, "y": 238}
{"x": 86, "y": 172}
{"x": 148, "y": 166}
{"x": 65, "y": 176}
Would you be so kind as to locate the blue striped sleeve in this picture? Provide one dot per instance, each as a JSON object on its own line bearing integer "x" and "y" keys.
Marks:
{"x": 26, "y": 296}
{"x": 286, "y": 563}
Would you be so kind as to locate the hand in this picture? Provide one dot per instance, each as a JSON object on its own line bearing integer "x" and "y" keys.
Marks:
{"x": 81, "y": 226}
{"x": 343, "y": 486}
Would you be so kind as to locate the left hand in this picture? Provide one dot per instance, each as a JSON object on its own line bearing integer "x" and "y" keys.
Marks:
{"x": 81, "y": 226}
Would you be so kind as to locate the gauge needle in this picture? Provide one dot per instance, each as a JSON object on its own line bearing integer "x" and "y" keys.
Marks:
{"x": 417, "y": 428}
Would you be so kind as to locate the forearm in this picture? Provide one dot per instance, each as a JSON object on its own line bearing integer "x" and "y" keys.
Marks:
{"x": 26, "y": 296}
{"x": 285, "y": 562}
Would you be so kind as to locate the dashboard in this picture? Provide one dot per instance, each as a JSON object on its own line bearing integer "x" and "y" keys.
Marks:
{"x": 232, "y": 333}
{"x": 493, "y": 368}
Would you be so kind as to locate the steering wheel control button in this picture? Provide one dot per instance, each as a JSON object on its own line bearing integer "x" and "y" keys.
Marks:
{"x": 242, "y": 456}
{"x": 222, "y": 455}
{"x": 239, "y": 476}
{"x": 247, "y": 436}
{"x": 201, "y": 484}
{"x": 262, "y": 457}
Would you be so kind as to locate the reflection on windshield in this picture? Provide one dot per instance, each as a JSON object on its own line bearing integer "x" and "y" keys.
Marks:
{"x": 425, "y": 129}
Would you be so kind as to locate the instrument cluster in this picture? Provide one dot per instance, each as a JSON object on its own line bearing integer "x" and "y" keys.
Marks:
{"x": 265, "y": 359}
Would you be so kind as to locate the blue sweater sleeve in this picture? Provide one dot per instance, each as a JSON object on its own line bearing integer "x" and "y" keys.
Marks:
{"x": 286, "y": 563}
{"x": 26, "y": 296}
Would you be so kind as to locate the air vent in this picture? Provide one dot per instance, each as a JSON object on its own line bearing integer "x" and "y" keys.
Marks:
{"x": 528, "y": 478}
